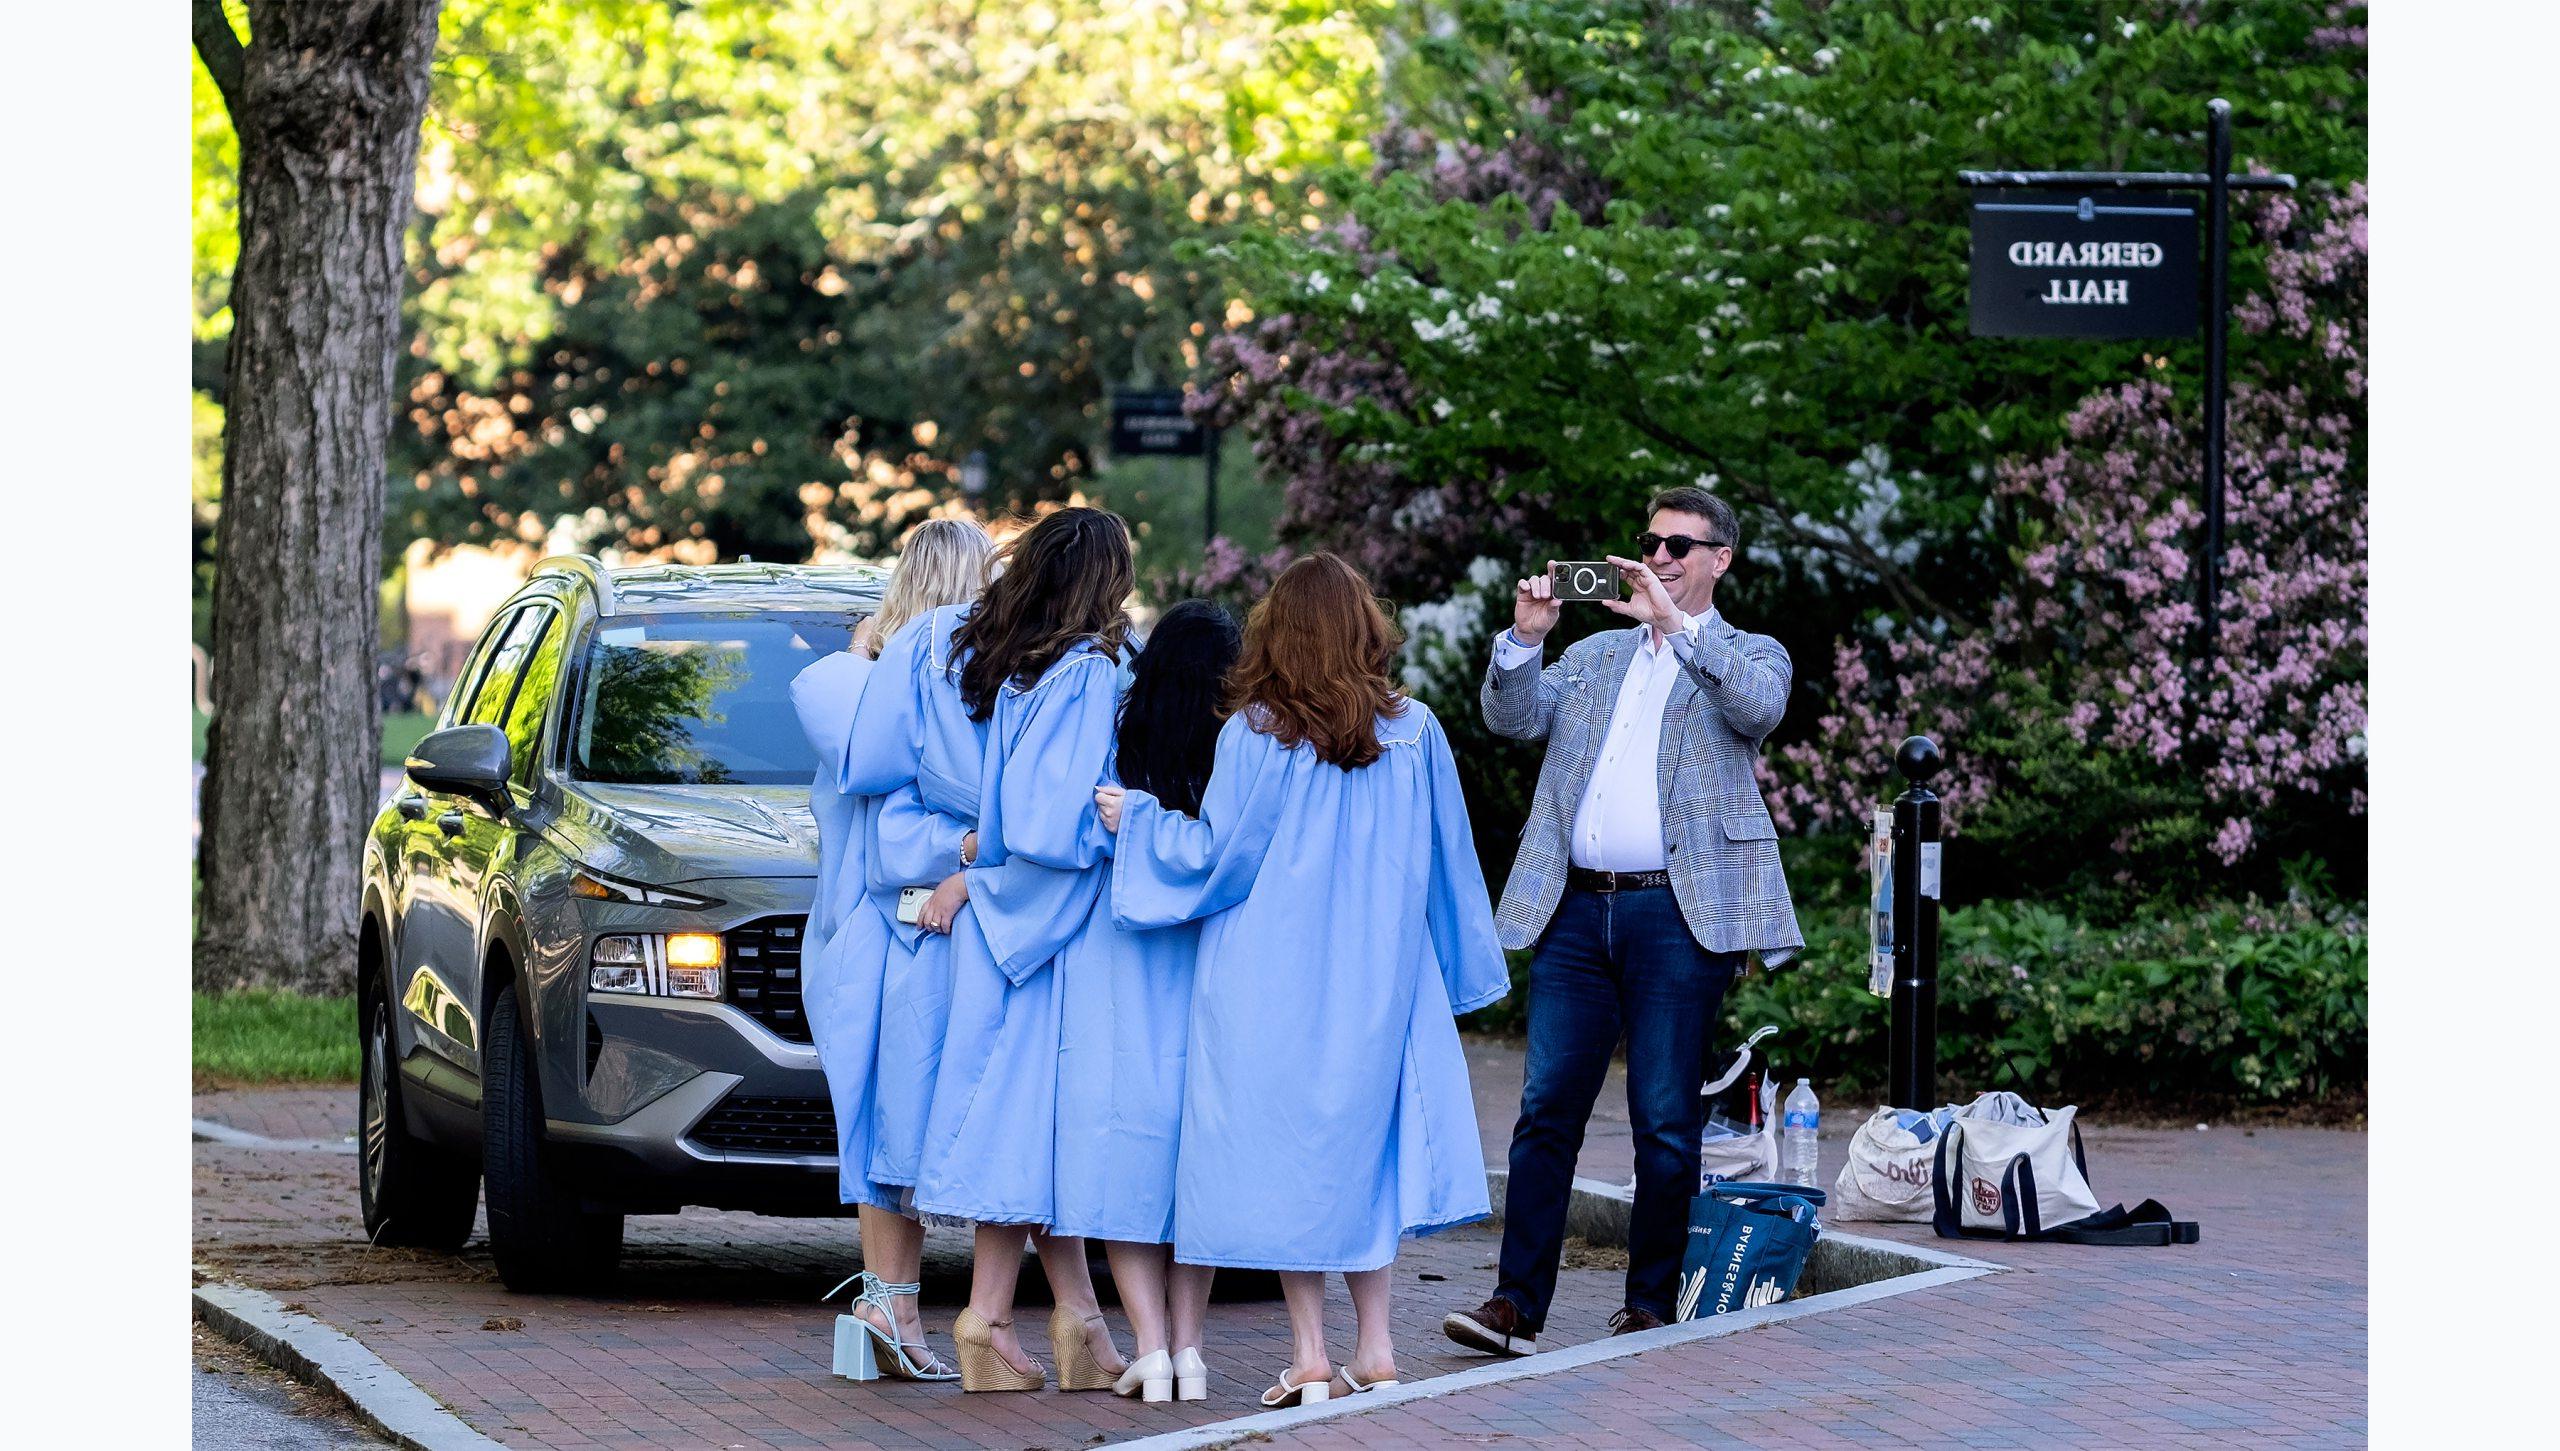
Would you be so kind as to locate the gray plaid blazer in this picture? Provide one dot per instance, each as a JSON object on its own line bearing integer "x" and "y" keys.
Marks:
{"x": 1717, "y": 837}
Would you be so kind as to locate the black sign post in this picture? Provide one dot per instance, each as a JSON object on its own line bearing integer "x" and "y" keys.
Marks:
{"x": 1911, "y": 1033}
{"x": 2111, "y": 285}
{"x": 1153, "y": 422}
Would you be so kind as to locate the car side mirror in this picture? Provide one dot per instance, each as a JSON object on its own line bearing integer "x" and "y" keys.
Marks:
{"x": 463, "y": 760}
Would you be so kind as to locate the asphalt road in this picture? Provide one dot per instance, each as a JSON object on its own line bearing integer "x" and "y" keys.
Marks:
{"x": 239, "y": 1402}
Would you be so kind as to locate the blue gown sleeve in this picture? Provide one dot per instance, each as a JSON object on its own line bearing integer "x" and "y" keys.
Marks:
{"x": 913, "y": 845}
{"x": 826, "y": 695}
{"x": 1040, "y": 843}
{"x": 886, "y": 736}
{"x": 1459, "y": 910}
{"x": 1043, "y": 809}
{"x": 1169, "y": 868}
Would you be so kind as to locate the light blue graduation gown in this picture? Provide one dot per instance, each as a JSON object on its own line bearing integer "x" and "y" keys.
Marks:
{"x": 990, "y": 1150}
{"x": 1326, "y": 1110}
{"x": 844, "y": 947}
{"x": 1124, "y": 1024}
{"x": 912, "y": 746}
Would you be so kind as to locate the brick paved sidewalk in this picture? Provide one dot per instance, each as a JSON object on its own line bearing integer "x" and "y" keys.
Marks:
{"x": 713, "y": 1339}
{"x": 714, "y": 1336}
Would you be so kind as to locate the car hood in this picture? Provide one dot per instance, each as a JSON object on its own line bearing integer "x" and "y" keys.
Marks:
{"x": 663, "y": 835}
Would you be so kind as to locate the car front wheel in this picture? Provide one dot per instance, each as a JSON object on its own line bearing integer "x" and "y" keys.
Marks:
{"x": 413, "y": 1193}
{"x": 540, "y": 1235}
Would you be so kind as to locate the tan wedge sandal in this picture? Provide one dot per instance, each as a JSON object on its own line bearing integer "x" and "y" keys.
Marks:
{"x": 1071, "y": 1341}
{"x": 982, "y": 1366}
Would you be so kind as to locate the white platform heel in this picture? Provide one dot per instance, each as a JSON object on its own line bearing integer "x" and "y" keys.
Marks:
{"x": 1149, "y": 1377}
{"x": 1190, "y": 1376}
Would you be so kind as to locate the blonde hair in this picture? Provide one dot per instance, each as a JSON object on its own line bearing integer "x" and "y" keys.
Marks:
{"x": 945, "y": 562}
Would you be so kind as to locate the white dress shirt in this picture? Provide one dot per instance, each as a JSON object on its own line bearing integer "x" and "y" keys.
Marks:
{"x": 1618, "y": 826}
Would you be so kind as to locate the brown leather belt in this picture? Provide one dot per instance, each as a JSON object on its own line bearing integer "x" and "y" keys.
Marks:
{"x": 1586, "y": 880}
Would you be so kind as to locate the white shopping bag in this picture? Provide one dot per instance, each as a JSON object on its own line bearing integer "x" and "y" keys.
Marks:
{"x": 1729, "y": 1156}
{"x": 1892, "y": 1160}
{"x": 1733, "y": 1153}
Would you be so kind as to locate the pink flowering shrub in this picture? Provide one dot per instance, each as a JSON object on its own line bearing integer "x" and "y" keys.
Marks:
{"x": 2089, "y": 650}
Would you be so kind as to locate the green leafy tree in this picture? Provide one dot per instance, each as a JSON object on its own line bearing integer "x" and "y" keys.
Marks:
{"x": 731, "y": 277}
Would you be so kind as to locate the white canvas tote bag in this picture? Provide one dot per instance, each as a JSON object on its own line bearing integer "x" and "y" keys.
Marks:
{"x": 1995, "y": 1176}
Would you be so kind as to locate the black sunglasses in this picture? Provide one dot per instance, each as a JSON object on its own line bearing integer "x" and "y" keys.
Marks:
{"x": 1678, "y": 544}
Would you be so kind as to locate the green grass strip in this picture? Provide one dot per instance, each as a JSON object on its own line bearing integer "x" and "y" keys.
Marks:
{"x": 265, "y": 1036}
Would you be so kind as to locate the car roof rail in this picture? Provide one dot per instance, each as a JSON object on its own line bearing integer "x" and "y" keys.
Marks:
{"x": 588, "y": 567}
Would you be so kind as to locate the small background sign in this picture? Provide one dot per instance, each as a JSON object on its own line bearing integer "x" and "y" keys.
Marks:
{"x": 1154, "y": 423}
{"x": 2108, "y": 265}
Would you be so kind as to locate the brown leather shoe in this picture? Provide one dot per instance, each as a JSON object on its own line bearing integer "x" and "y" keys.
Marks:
{"x": 1632, "y": 1319}
{"x": 1494, "y": 1325}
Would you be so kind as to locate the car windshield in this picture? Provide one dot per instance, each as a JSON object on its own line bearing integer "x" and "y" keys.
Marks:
{"x": 700, "y": 699}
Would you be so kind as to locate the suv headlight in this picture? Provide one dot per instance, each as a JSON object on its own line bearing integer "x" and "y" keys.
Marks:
{"x": 657, "y": 964}
{"x": 598, "y": 887}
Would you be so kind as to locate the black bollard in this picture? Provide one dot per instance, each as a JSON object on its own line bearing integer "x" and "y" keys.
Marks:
{"x": 1913, "y": 1074}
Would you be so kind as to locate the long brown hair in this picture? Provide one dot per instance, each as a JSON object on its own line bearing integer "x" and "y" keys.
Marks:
{"x": 1066, "y": 580}
{"x": 1317, "y": 654}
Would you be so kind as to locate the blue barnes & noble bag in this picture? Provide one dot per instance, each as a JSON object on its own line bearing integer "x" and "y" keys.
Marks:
{"x": 1747, "y": 1246}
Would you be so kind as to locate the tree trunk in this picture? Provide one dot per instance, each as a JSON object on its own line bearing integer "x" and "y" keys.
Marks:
{"x": 327, "y": 100}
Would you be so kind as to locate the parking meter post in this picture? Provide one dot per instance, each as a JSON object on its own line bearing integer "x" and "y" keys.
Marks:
{"x": 1913, "y": 1033}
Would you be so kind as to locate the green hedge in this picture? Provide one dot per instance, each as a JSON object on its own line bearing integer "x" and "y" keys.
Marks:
{"x": 2241, "y": 1002}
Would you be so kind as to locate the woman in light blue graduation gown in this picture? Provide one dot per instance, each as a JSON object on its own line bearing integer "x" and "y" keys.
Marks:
{"x": 1326, "y": 1109}
{"x": 1124, "y": 1021}
{"x": 847, "y": 942}
{"x": 1021, "y": 673}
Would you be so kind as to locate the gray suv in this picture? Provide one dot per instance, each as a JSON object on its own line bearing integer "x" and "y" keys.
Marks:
{"x": 580, "y": 963}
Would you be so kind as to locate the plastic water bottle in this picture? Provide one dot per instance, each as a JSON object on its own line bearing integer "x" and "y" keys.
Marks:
{"x": 1799, "y": 1147}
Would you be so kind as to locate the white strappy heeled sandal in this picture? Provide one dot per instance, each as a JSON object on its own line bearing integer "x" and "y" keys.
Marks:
{"x": 1296, "y": 1393}
{"x": 1359, "y": 1386}
{"x": 860, "y": 1345}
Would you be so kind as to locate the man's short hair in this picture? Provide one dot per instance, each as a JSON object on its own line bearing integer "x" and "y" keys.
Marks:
{"x": 1690, "y": 499}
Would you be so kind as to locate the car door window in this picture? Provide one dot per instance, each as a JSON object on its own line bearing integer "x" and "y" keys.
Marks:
{"x": 534, "y": 690}
{"x": 457, "y": 705}
{"x": 506, "y": 666}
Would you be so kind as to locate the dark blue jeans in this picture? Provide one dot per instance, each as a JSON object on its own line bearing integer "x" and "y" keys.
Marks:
{"x": 1612, "y": 962}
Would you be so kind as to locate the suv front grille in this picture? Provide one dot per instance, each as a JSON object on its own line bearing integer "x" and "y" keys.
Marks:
{"x": 753, "y": 1123}
{"x": 764, "y": 974}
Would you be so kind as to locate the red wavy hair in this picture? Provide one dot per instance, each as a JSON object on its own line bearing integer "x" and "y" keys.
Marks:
{"x": 1317, "y": 662}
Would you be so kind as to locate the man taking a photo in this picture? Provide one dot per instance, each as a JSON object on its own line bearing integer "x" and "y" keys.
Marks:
{"x": 1648, "y": 870}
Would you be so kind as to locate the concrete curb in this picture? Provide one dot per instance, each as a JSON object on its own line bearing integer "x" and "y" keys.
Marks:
{"x": 1847, "y": 1270}
{"x": 209, "y": 1131}
{"x": 1227, "y": 1433}
{"x": 1597, "y": 1212}
{"x": 293, "y": 1342}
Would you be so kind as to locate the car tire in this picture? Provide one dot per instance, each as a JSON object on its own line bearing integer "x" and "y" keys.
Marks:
{"x": 413, "y": 1193}
{"x": 542, "y": 1237}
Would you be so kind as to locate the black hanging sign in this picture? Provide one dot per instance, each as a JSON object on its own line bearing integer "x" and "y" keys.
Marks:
{"x": 2046, "y": 267}
{"x": 1153, "y": 422}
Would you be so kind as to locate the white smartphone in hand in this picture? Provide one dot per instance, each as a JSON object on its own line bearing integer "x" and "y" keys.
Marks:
{"x": 911, "y": 902}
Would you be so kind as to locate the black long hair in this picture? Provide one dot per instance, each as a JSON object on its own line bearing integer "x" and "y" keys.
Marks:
{"x": 1170, "y": 718}
{"x": 1065, "y": 580}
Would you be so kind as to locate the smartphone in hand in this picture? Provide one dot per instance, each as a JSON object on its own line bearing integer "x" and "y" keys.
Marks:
{"x": 1584, "y": 579}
